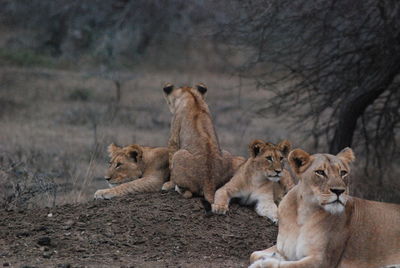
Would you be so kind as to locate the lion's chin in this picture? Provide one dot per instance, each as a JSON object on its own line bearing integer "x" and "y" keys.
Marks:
{"x": 111, "y": 185}
{"x": 334, "y": 208}
{"x": 274, "y": 179}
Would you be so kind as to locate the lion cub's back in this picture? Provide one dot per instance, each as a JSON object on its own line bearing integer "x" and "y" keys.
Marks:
{"x": 158, "y": 157}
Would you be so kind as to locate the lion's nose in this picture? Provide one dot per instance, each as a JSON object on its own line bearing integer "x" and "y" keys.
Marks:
{"x": 107, "y": 178}
{"x": 337, "y": 191}
{"x": 278, "y": 171}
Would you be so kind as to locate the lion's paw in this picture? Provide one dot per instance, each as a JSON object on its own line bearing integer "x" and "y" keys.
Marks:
{"x": 103, "y": 194}
{"x": 258, "y": 255}
{"x": 185, "y": 193}
{"x": 265, "y": 254}
{"x": 169, "y": 185}
{"x": 269, "y": 213}
{"x": 219, "y": 209}
{"x": 265, "y": 263}
{"x": 275, "y": 221}
{"x": 257, "y": 264}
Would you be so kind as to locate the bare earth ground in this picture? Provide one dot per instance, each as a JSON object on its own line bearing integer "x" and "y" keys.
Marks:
{"x": 145, "y": 230}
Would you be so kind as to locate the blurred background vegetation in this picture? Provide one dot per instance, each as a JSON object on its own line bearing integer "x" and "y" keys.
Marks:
{"x": 78, "y": 75}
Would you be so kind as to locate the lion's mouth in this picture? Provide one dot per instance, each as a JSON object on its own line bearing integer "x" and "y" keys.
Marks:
{"x": 274, "y": 178}
{"x": 337, "y": 201}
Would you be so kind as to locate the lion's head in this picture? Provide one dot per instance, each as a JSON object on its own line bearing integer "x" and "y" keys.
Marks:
{"x": 268, "y": 158}
{"x": 176, "y": 96}
{"x": 125, "y": 165}
{"x": 323, "y": 177}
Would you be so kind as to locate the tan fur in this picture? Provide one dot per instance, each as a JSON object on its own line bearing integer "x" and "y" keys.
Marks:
{"x": 197, "y": 164}
{"x": 255, "y": 180}
{"x": 314, "y": 232}
{"x": 232, "y": 163}
{"x": 135, "y": 169}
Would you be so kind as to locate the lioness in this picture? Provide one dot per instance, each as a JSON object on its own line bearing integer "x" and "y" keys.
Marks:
{"x": 196, "y": 161}
{"x": 320, "y": 225}
{"x": 135, "y": 169}
{"x": 256, "y": 180}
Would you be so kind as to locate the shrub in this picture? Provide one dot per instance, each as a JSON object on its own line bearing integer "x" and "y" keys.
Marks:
{"x": 80, "y": 94}
{"x": 25, "y": 58}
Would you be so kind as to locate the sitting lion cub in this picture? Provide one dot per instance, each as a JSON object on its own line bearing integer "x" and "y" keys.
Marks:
{"x": 254, "y": 181}
{"x": 135, "y": 169}
{"x": 198, "y": 166}
{"x": 320, "y": 225}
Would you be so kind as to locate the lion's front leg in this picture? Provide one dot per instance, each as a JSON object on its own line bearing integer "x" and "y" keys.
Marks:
{"x": 142, "y": 185}
{"x": 173, "y": 147}
{"x": 171, "y": 151}
{"x": 221, "y": 201}
{"x": 104, "y": 194}
{"x": 224, "y": 194}
{"x": 173, "y": 142}
{"x": 266, "y": 207}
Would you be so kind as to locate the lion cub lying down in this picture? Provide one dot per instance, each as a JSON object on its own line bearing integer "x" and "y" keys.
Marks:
{"x": 255, "y": 179}
{"x": 320, "y": 225}
{"x": 135, "y": 169}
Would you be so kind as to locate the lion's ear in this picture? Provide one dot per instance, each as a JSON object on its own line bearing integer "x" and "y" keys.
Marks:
{"x": 255, "y": 147}
{"x": 112, "y": 149}
{"x": 201, "y": 88}
{"x": 135, "y": 152}
{"x": 299, "y": 160}
{"x": 346, "y": 155}
{"x": 168, "y": 87}
{"x": 284, "y": 147}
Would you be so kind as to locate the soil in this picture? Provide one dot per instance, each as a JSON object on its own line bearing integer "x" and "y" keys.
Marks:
{"x": 143, "y": 230}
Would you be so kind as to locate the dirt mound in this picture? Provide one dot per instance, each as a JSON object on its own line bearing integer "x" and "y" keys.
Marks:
{"x": 145, "y": 230}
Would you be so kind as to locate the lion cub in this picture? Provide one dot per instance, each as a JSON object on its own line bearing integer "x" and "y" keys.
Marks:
{"x": 135, "y": 169}
{"x": 197, "y": 163}
{"x": 321, "y": 225}
{"x": 255, "y": 179}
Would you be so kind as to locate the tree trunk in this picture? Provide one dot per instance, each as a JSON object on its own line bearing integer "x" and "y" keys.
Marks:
{"x": 351, "y": 110}
{"x": 356, "y": 104}
{"x": 117, "y": 90}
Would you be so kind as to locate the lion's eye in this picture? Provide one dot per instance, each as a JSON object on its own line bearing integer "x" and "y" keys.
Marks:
{"x": 320, "y": 172}
{"x": 269, "y": 158}
{"x": 343, "y": 173}
{"x": 118, "y": 164}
